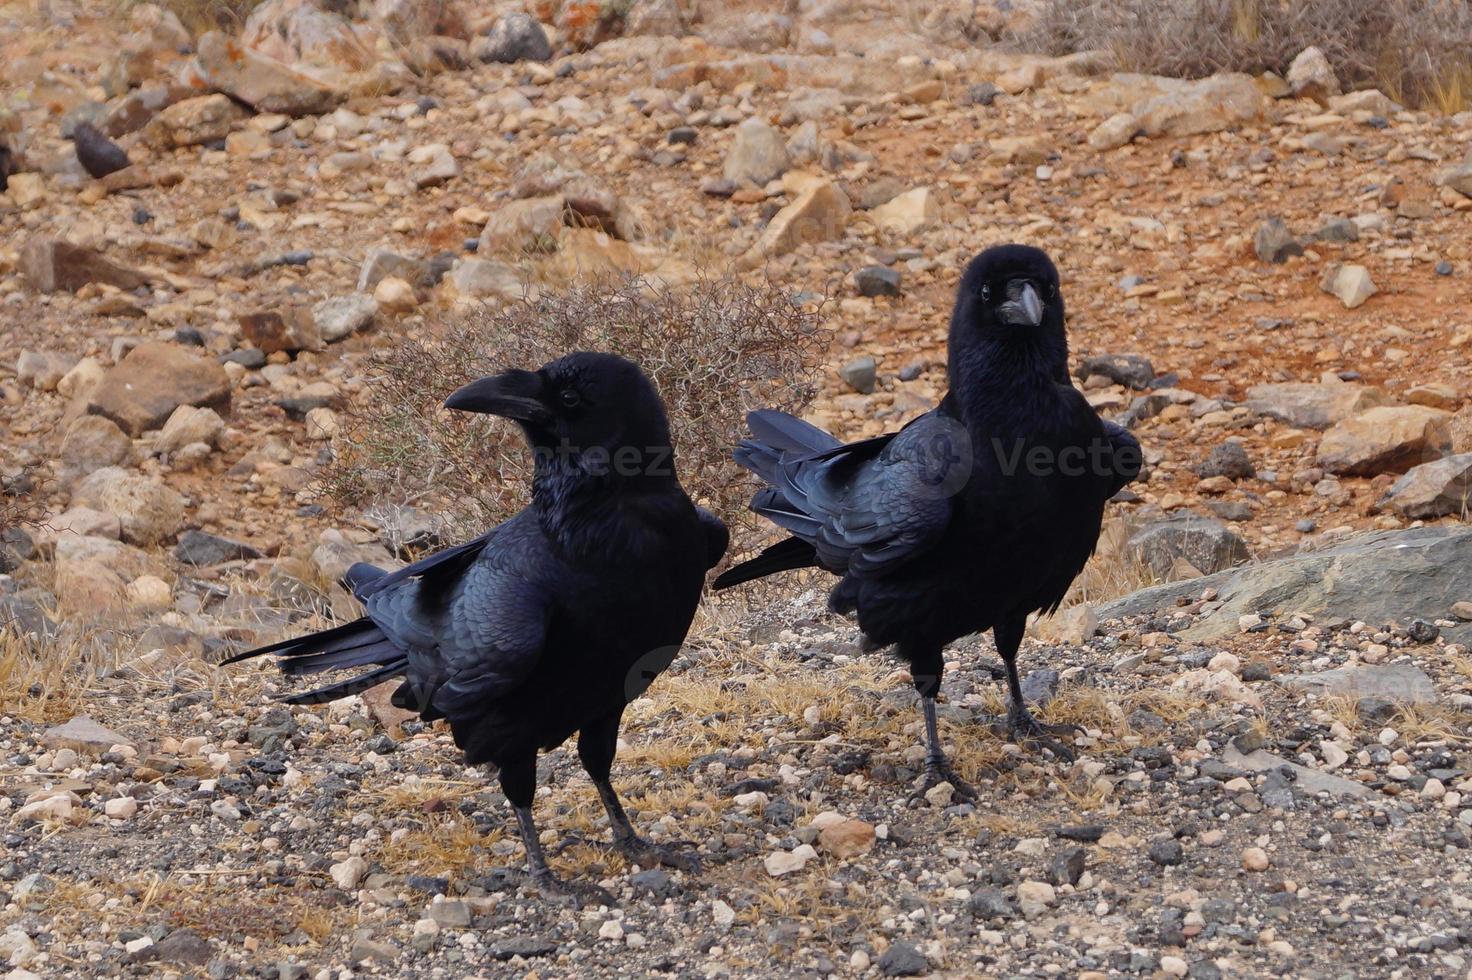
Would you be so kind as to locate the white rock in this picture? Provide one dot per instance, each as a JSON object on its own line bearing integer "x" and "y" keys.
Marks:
{"x": 1034, "y": 897}
{"x": 1350, "y": 283}
{"x": 611, "y": 929}
{"x": 1225, "y": 661}
{"x": 779, "y": 863}
{"x": 120, "y": 808}
{"x": 347, "y": 874}
{"x": 394, "y": 295}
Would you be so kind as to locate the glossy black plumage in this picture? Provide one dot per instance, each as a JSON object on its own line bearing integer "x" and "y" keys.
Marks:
{"x": 97, "y": 154}
{"x": 974, "y": 515}
{"x": 552, "y": 622}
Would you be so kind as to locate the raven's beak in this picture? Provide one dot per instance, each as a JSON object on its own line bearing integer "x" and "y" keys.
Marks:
{"x": 1023, "y": 307}
{"x": 512, "y": 395}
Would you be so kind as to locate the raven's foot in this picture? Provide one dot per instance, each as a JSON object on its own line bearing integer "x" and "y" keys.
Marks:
{"x": 939, "y": 771}
{"x": 577, "y": 894}
{"x": 647, "y": 854}
{"x": 1024, "y": 729}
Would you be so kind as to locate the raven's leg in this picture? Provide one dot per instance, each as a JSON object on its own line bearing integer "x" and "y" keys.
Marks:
{"x": 597, "y": 743}
{"x": 926, "y": 668}
{"x": 1021, "y": 725}
{"x": 519, "y": 783}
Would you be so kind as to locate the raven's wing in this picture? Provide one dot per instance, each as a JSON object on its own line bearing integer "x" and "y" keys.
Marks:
{"x": 872, "y": 506}
{"x": 717, "y": 538}
{"x": 1126, "y": 457}
{"x": 365, "y": 583}
{"x": 472, "y": 634}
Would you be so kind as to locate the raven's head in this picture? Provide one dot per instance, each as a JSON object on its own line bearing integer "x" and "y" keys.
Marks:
{"x": 597, "y": 412}
{"x": 1009, "y": 301}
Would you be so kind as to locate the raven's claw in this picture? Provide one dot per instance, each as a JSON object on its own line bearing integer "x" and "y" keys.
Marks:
{"x": 1024, "y": 729}
{"x": 937, "y": 772}
{"x": 647, "y": 854}
{"x": 577, "y": 894}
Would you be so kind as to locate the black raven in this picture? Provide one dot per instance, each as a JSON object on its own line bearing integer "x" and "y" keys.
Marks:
{"x": 971, "y": 517}
{"x": 97, "y": 154}
{"x": 552, "y": 622}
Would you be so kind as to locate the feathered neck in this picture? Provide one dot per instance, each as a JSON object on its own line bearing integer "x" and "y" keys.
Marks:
{"x": 593, "y": 509}
{"x": 992, "y": 380}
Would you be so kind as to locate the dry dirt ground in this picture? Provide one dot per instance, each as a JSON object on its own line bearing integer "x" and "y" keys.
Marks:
{"x": 1208, "y": 828}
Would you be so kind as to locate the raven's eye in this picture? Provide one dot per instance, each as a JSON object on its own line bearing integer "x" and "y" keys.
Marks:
{"x": 1052, "y": 290}
{"x": 571, "y": 398}
{"x": 986, "y": 293}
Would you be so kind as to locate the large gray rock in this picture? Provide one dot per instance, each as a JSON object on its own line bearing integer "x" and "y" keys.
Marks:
{"x": 152, "y": 381}
{"x": 1208, "y": 544}
{"x": 1307, "y": 405}
{"x": 149, "y": 511}
{"x": 1309, "y": 781}
{"x": 515, "y": 37}
{"x": 1404, "y": 683}
{"x": 1389, "y": 439}
{"x": 1208, "y": 105}
{"x": 758, "y": 155}
{"x": 91, "y": 443}
{"x": 1434, "y": 489}
{"x": 1382, "y": 577}
{"x": 52, "y": 265}
{"x": 263, "y": 83}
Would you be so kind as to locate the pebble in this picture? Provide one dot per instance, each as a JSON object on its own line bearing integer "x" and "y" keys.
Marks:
{"x": 349, "y": 873}
{"x": 1255, "y": 859}
{"x": 120, "y": 808}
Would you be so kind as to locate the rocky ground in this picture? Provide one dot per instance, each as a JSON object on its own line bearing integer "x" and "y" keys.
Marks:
{"x": 1265, "y": 278}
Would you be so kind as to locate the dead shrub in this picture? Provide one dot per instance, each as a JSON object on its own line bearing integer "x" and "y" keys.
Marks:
{"x": 715, "y": 350}
{"x": 1418, "y": 52}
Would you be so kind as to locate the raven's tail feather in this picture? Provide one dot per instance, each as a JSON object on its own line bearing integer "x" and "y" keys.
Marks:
{"x": 788, "y": 433}
{"x": 360, "y": 575}
{"x": 780, "y": 557}
{"x": 357, "y": 644}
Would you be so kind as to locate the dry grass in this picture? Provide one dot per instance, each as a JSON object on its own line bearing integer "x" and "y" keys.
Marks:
{"x": 199, "y": 16}
{"x": 39, "y": 682}
{"x": 1416, "y": 51}
{"x": 211, "y": 905}
{"x": 715, "y": 350}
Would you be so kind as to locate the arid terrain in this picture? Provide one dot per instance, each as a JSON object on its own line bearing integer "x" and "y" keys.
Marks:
{"x": 1266, "y": 277}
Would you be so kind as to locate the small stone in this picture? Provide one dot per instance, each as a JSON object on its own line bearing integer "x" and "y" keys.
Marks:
{"x": 903, "y": 960}
{"x": 339, "y": 317}
{"x": 1167, "y": 853}
{"x": 84, "y": 735}
{"x": 1034, "y": 897}
{"x": 349, "y": 873}
{"x": 1350, "y": 283}
{"x": 394, "y": 295}
{"x": 940, "y": 795}
{"x": 780, "y": 863}
{"x": 1310, "y": 76}
{"x": 514, "y": 37}
{"x": 759, "y": 154}
{"x": 877, "y": 280}
{"x": 860, "y": 374}
{"x": 1273, "y": 242}
{"x": 1255, "y": 859}
{"x": 611, "y": 929}
{"x": 120, "y": 808}
{"x": 1067, "y": 867}
{"x": 847, "y": 838}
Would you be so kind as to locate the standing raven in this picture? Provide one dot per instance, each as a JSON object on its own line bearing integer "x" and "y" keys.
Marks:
{"x": 554, "y": 621}
{"x": 971, "y": 517}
